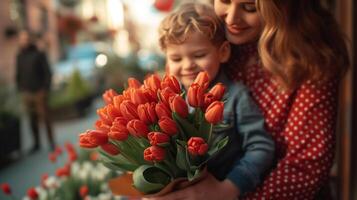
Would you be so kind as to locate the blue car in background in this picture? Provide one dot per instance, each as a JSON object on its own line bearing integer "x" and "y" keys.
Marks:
{"x": 88, "y": 58}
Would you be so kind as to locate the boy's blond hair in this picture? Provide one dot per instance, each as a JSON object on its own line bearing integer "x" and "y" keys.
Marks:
{"x": 191, "y": 17}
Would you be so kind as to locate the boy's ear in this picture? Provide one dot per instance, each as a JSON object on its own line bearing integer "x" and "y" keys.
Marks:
{"x": 225, "y": 52}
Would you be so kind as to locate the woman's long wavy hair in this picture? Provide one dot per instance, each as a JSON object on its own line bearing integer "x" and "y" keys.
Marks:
{"x": 301, "y": 41}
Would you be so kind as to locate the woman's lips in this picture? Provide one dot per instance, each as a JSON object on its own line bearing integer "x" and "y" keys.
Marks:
{"x": 236, "y": 30}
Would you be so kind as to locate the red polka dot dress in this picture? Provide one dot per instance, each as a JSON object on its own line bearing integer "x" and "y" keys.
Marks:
{"x": 302, "y": 124}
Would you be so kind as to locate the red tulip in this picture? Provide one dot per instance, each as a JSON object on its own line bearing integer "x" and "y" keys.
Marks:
{"x": 139, "y": 96}
{"x": 97, "y": 137}
{"x": 208, "y": 99}
{"x": 137, "y": 128}
{"x": 128, "y": 93}
{"x": 100, "y": 125}
{"x": 121, "y": 120}
{"x": 195, "y": 95}
{"x": 152, "y": 82}
{"x": 5, "y": 187}
{"x": 218, "y": 91}
{"x": 102, "y": 113}
{"x": 128, "y": 110}
{"x": 168, "y": 126}
{"x": 157, "y": 138}
{"x": 118, "y": 131}
{"x": 202, "y": 80}
{"x": 32, "y": 193}
{"x": 84, "y": 141}
{"x": 214, "y": 112}
{"x": 113, "y": 112}
{"x": 133, "y": 83}
{"x": 110, "y": 149}
{"x": 178, "y": 105}
{"x": 150, "y": 95}
{"x": 147, "y": 113}
{"x": 172, "y": 83}
{"x": 162, "y": 110}
{"x": 165, "y": 95}
{"x": 117, "y": 100}
{"x": 197, "y": 146}
{"x": 109, "y": 95}
{"x": 154, "y": 154}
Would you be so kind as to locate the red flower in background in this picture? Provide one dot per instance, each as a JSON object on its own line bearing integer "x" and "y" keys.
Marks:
{"x": 32, "y": 193}
{"x": 64, "y": 171}
{"x": 83, "y": 191}
{"x": 5, "y": 187}
{"x": 44, "y": 177}
{"x": 214, "y": 112}
{"x": 164, "y": 5}
{"x": 52, "y": 157}
{"x": 168, "y": 126}
{"x": 197, "y": 146}
{"x": 154, "y": 154}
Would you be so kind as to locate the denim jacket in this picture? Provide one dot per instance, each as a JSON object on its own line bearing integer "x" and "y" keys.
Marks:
{"x": 249, "y": 153}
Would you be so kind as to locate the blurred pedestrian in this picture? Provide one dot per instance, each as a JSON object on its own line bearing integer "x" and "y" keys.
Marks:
{"x": 33, "y": 79}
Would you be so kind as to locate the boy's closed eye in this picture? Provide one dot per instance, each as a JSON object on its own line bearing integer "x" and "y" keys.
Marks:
{"x": 175, "y": 59}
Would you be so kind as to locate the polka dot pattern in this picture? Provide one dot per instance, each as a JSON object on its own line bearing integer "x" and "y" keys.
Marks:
{"x": 302, "y": 124}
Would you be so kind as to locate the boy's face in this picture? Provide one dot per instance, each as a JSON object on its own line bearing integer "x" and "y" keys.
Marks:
{"x": 196, "y": 54}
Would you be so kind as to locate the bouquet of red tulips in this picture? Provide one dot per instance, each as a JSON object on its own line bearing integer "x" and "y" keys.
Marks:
{"x": 158, "y": 131}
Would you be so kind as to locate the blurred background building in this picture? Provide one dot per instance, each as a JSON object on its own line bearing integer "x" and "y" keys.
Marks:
{"x": 94, "y": 45}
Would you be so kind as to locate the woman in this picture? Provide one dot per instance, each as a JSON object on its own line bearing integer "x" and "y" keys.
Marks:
{"x": 291, "y": 54}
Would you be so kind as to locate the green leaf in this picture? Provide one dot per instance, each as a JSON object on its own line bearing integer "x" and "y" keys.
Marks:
{"x": 187, "y": 127}
{"x": 218, "y": 146}
{"x": 181, "y": 155}
{"x": 204, "y": 129}
{"x": 150, "y": 179}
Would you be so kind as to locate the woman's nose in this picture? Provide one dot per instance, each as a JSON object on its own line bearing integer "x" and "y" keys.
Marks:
{"x": 232, "y": 15}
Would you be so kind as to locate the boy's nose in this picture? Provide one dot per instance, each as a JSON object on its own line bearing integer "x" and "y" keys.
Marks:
{"x": 189, "y": 64}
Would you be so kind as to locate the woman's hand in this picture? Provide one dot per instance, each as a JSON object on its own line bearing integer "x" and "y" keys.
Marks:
{"x": 208, "y": 188}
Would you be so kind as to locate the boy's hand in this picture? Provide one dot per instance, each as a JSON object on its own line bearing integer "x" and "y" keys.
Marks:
{"x": 209, "y": 189}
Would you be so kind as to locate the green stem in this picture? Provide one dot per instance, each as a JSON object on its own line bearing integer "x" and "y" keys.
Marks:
{"x": 123, "y": 153}
{"x": 210, "y": 135}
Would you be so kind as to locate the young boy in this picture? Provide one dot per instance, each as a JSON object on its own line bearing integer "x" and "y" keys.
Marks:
{"x": 193, "y": 40}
